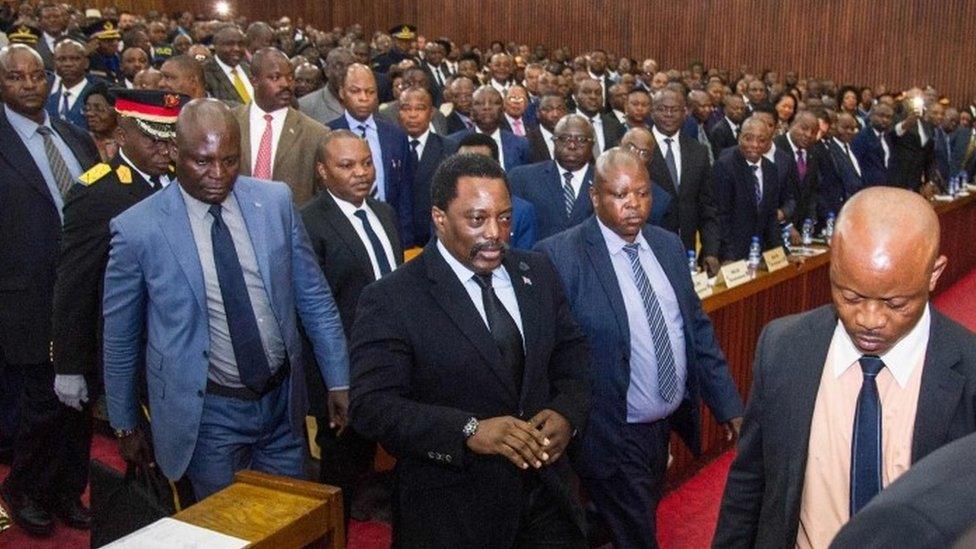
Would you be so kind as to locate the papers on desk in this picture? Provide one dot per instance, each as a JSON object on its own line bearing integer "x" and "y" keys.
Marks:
{"x": 943, "y": 198}
{"x": 170, "y": 533}
{"x": 806, "y": 251}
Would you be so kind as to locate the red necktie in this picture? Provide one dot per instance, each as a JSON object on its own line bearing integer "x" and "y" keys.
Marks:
{"x": 262, "y": 166}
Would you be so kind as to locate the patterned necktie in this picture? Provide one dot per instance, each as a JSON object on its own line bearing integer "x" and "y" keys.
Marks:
{"x": 517, "y": 128}
{"x": 64, "y": 104}
{"x": 59, "y": 169}
{"x": 667, "y": 376}
{"x": 374, "y": 242}
{"x": 239, "y": 86}
{"x": 504, "y": 330}
{"x": 801, "y": 164}
{"x": 245, "y": 337}
{"x": 262, "y": 164}
{"x": 757, "y": 184}
{"x": 569, "y": 195}
{"x": 672, "y": 165}
{"x": 866, "y": 443}
{"x": 362, "y": 130}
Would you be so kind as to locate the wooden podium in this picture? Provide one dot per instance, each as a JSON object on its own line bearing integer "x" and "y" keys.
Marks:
{"x": 273, "y": 512}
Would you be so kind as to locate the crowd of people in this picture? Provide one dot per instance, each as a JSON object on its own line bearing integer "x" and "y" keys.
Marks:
{"x": 204, "y": 221}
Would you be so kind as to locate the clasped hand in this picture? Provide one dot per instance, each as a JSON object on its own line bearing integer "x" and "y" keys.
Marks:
{"x": 536, "y": 442}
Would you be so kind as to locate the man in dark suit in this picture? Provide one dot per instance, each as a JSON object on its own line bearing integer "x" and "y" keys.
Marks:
{"x": 71, "y": 66}
{"x": 462, "y": 94}
{"x": 607, "y": 130}
{"x": 913, "y": 151}
{"x": 437, "y": 71}
{"x": 487, "y": 112}
{"x": 962, "y": 143}
{"x": 596, "y": 65}
{"x": 141, "y": 167}
{"x": 428, "y": 149}
{"x": 680, "y": 166}
{"x": 470, "y": 370}
{"x": 228, "y": 74}
{"x": 931, "y": 506}
{"x": 747, "y": 194}
{"x": 804, "y": 466}
{"x": 725, "y": 132}
{"x": 653, "y": 351}
{"x": 52, "y": 20}
{"x": 355, "y": 240}
{"x": 542, "y": 145}
{"x": 392, "y": 158}
{"x": 874, "y": 146}
{"x": 840, "y": 171}
{"x": 39, "y": 161}
{"x": 939, "y": 170}
{"x": 758, "y": 97}
{"x": 559, "y": 188}
{"x": 798, "y": 164}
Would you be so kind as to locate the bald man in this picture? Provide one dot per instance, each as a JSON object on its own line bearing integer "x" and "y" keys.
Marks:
{"x": 653, "y": 351}
{"x": 879, "y": 350}
{"x": 216, "y": 330}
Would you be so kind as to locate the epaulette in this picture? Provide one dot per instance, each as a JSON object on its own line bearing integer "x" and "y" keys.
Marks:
{"x": 124, "y": 174}
{"x": 97, "y": 172}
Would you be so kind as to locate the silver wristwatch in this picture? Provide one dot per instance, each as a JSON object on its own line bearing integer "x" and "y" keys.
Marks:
{"x": 470, "y": 427}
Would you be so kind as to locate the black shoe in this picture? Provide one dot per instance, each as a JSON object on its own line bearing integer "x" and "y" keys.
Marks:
{"x": 27, "y": 513}
{"x": 74, "y": 514}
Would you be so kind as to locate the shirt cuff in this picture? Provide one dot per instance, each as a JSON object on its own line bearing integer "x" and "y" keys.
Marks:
{"x": 346, "y": 388}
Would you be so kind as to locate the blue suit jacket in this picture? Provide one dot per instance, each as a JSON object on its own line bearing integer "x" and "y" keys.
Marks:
{"x": 514, "y": 148}
{"x": 542, "y": 185}
{"x": 838, "y": 180}
{"x": 523, "y": 224}
{"x": 155, "y": 296}
{"x": 75, "y": 115}
{"x": 584, "y": 266}
{"x": 870, "y": 155}
{"x": 398, "y": 168}
{"x": 958, "y": 143}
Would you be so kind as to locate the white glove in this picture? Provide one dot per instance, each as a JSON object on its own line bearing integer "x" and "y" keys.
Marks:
{"x": 71, "y": 390}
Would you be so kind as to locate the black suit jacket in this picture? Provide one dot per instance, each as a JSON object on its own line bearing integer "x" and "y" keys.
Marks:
{"x": 436, "y": 150}
{"x": 538, "y": 151}
{"x": 455, "y": 124}
{"x": 77, "y": 317}
{"x": 801, "y": 197}
{"x": 930, "y": 506}
{"x": 693, "y": 208}
{"x": 739, "y": 217}
{"x": 30, "y": 237}
{"x": 424, "y": 362}
{"x": 722, "y": 137}
{"x": 910, "y": 161}
{"x": 761, "y": 505}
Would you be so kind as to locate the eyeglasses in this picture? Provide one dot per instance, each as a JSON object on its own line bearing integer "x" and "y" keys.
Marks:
{"x": 574, "y": 139}
{"x": 643, "y": 153}
{"x": 95, "y": 109}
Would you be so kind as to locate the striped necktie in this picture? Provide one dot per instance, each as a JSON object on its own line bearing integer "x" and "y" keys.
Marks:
{"x": 62, "y": 176}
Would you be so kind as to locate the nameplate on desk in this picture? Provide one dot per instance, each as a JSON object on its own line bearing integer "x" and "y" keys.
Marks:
{"x": 701, "y": 285}
{"x": 775, "y": 259}
{"x": 733, "y": 274}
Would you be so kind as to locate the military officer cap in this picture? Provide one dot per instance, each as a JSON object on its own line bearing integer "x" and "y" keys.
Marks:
{"x": 404, "y": 32}
{"x": 154, "y": 111}
{"x": 23, "y": 34}
{"x": 103, "y": 29}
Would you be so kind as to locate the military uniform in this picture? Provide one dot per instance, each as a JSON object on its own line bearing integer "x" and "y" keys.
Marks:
{"x": 383, "y": 62}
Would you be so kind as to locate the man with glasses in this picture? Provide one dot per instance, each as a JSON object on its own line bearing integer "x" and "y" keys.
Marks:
{"x": 680, "y": 166}
{"x": 558, "y": 188}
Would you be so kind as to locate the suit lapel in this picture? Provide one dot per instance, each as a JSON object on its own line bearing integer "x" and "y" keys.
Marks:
{"x": 599, "y": 257}
{"x": 454, "y": 299}
{"x": 287, "y": 142}
{"x": 664, "y": 179}
{"x": 252, "y": 210}
{"x": 582, "y": 205}
{"x": 20, "y": 158}
{"x": 527, "y": 296}
{"x": 347, "y": 233}
{"x": 244, "y": 119}
{"x": 175, "y": 224}
{"x": 942, "y": 387}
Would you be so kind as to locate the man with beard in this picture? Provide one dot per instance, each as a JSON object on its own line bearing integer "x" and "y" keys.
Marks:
{"x": 276, "y": 137}
{"x": 133, "y": 60}
{"x": 470, "y": 370}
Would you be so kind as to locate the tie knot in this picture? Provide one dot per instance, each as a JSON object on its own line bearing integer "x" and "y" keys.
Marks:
{"x": 414, "y": 143}
{"x": 668, "y": 140}
{"x": 483, "y": 280}
{"x": 361, "y": 127}
{"x": 215, "y": 211}
{"x": 632, "y": 249}
{"x": 568, "y": 176}
{"x": 754, "y": 167}
{"x": 800, "y": 154}
{"x": 268, "y": 118}
{"x": 871, "y": 365}
{"x": 361, "y": 214}
{"x": 44, "y": 131}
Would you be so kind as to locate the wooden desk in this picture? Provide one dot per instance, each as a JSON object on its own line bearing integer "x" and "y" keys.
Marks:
{"x": 273, "y": 512}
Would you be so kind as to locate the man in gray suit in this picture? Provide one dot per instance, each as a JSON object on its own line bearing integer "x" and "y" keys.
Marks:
{"x": 227, "y": 74}
{"x": 324, "y": 105}
{"x": 805, "y": 465}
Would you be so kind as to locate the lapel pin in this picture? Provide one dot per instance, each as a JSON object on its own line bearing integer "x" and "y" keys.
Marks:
{"x": 523, "y": 266}
{"x": 526, "y": 280}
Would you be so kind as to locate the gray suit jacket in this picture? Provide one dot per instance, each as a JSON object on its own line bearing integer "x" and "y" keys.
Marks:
{"x": 217, "y": 83}
{"x": 294, "y": 159}
{"x": 761, "y": 505}
{"x": 321, "y": 105}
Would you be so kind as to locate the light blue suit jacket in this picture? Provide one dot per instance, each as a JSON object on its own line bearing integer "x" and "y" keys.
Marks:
{"x": 155, "y": 302}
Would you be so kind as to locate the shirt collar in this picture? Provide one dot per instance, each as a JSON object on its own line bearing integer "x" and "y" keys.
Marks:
{"x": 422, "y": 138}
{"x": 615, "y": 244}
{"x": 261, "y": 112}
{"x": 660, "y": 137}
{"x": 499, "y": 276}
{"x": 75, "y": 90}
{"x": 347, "y": 207}
{"x": 731, "y": 123}
{"x": 792, "y": 144}
{"x": 545, "y": 133}
{"x": 24, "y": 126}
{"x": 496, "y": 135}
{"x": 354, "y": 124}
{"x": 225, "y": 67}
{"x": 200, "y": 209}
{"x": 838, "y": 142}
{"x": 757, "y": 163}
{"x": 900, "y": 360}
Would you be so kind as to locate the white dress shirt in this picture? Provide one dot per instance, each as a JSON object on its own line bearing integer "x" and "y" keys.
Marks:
{"x": 675, "y": 147}
{"x": 349, "y": 210}
{"x": 423, "y": 142}
{"x": 73, "y": 93}
{"x": 227, "y": 70}
{"x": 500, "y": 281}
{"x": 497, "y": 136}
{"x": 256, "y": 118}
{"x": 550, "y": 140}
{"x": 597, "y": 122}
{"x": 501, "y": 87}
{"x": 578, "y": 177}
{"x": 884, "y": 146}
{"x": 850, "y": 154}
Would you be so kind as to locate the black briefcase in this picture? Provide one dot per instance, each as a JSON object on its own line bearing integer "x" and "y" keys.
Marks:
{"x": 122, "y": 503}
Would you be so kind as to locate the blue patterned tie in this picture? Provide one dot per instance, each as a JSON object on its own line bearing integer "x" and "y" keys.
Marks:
{"x": 245, "y": 338}
{"x": 757, "y": 186}
{"x": 569, "y": 197}
{"x": 667, "y": 377}
{"x": 374, "y": 242}
{"x": 866, "y": 444}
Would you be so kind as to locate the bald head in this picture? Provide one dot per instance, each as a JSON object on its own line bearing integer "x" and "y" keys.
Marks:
{"x": 640, "y": 142}
{"x": 205, "y": 116}
{"x": 621, "y": 193}
{"x": 884, "y": 263}
{"x": 617, "y": 160}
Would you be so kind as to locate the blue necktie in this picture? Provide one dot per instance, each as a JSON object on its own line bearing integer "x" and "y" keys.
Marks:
{"x": 64, "y": 104}
{"x": 569, "y": 197}
{"x": 756, "y": 184}
{"x": 866, "y": 444}
{"x": 252, "y": 363}
{"x": 374, "y": 241}
{"x": 667, "y": 376}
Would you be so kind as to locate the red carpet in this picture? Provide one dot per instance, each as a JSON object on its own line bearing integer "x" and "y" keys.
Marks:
{"x": 686, "y": 517}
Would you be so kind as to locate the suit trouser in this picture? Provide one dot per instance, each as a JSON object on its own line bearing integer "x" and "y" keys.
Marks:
{"x": 53, "y": 445}
{"x": 346, "y": 460}
{"x": 11, "y": 391}
{"x": 628, "y": 499}
{"x": 240, "y": 434}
